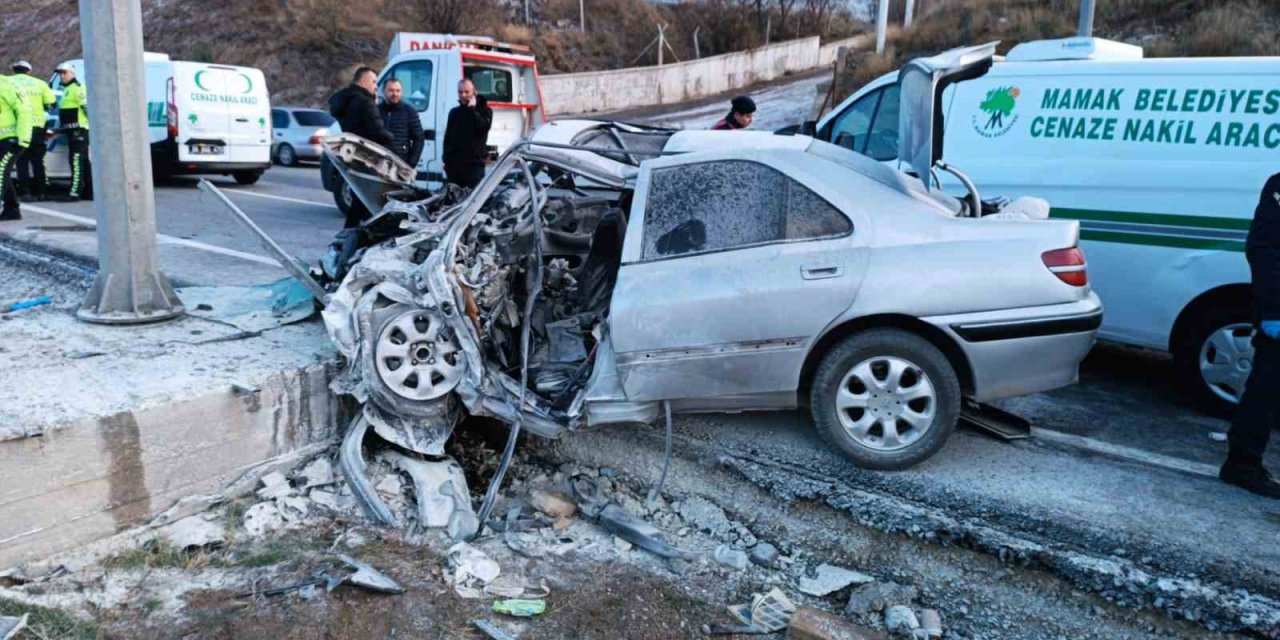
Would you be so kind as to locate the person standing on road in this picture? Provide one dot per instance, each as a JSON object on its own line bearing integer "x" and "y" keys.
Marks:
{"x": 1259, "y": 410}
{"x": 15, "y": 134}
{"x": 466, "y": 137}
{"x": 402, "y": 122}
{"x": 742, "y": 110}
{"x": 73, "y": 120}
{"x": 36, "y": 97}
{"x": 356, "y": 108}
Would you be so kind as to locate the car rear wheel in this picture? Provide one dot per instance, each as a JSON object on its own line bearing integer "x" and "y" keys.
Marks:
{"x": 347, "y": 201}
{"x": 286, "y": 156}
{"x": 246, "y": 177}
{"x": 1216, "y": 358}
{"x": 885, "y": 398}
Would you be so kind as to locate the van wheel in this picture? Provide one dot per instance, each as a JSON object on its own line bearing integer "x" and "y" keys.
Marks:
{"x": 348, "y": 203}
{"x": 286, "y": 156}
{"x": 1216, "y": 357}
{"x": 885, "y": 398}
{"x": 246, "y": 177}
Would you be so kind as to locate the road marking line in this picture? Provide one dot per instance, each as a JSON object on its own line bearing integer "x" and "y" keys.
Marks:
{"x": 282, "y": 198}
{"x": 163, "y": 239}
{"x": 1126, "y": 453}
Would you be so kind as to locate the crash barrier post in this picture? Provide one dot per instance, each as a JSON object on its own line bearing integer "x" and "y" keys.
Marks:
{"x": 129, "y": 288}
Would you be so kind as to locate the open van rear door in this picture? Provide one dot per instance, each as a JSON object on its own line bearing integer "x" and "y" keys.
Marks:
{"x": 921, "y": 83}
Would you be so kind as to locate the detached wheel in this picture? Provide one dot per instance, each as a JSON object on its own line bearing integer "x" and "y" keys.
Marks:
{"x": 1217, "y": 357}
{"x": 885, "y": 398}
{"x": 286, "y": 156}
{"x": 412, "y": 359}
{"x": 246, "y": 177}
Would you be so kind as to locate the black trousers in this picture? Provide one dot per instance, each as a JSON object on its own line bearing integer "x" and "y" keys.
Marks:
{"x": 1259, "y": 410}
{"x": 466, "y": 176}
{"x": 9, "y": 151}
{"x": 78, "y": 155}
{"x": 31, "y": 175}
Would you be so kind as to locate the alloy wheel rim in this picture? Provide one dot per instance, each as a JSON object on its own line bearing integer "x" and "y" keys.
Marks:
{"x": 886, "y": 403}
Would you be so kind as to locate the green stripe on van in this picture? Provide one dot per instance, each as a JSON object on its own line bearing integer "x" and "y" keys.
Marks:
{"x": 1202, "y": 222}
{"x": 1161, "y": 240}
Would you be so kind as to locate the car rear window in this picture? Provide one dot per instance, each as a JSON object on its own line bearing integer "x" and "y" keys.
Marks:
{"x": 313, "y": 118}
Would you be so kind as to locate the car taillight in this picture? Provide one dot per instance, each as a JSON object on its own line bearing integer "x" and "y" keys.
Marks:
{"x": 1068, "y": 265}
{"x": 171, "y": 110}
{"x": 316, "y": 139}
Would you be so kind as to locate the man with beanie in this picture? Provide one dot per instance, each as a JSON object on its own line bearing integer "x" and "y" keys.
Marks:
{"x": 36, "y": 97}
{"x": 740, "y": 115}
{"x": 1259, "y": 410}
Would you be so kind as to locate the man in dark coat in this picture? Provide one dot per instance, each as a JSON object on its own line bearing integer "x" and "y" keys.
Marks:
{"x": 401, "y": 120}
{"x": 1259, "y": 410}
{"x": 466, "y": 137}
{"x": 741, "y": 111}
{"x": 356, "y": 108}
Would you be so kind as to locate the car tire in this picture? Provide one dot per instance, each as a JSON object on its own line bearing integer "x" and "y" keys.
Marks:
{"x": 246, "y": 177}
{"x": 853, "y": 412}
{"x": 347, "y": 201}
{"x": 384, "y": 394}
{"x": 286, "y": 156}
{"x": 1218, "y": 340}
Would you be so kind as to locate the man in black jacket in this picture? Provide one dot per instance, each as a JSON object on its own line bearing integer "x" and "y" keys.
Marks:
{"x": 402, "y": 122}
{"x": 356, "y": 108}
{"x": 1259, "y": 410}
{"x": 466, "y": 137}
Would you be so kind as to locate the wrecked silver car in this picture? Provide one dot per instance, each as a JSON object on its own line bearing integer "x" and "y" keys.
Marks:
{"x": 607, "y": 273}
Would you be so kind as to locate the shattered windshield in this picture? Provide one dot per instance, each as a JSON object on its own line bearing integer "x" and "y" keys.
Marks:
{"x": 634, "y": 145}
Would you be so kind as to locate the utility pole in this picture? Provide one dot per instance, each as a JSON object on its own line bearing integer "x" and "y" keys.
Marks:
{"x": 1086, "y": 19}
{"x": 882, "y": 25}
{"x": 129, "y": 288}
{"x": 697, "y": 51}
{"x": 662, "y": 42}
{"x": 582, "y": 16}
{"x": 906, "y": 17}
{"x": 526, "y": 12}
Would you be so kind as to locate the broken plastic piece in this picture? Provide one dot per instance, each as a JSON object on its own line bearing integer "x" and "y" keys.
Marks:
{"x": 366, "y": 577}
{"x": 26, "y": 304}
{"x": 10, "y": 625}
{"x": 520, "y": 608}
{"x": 770, "y": 612}
{"x": 995, "y": 421}
{"x": 830, "y": 578}
{"x": 351, "y": 460}
{"x": 490, "y": 629}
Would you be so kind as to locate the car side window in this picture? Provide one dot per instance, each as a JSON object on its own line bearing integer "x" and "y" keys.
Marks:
{"x": 882, "y": 142}
{"x": 494, "y": 84}
{"x": 415, "y": 76}
{"x": 279, "y": 119}
{"x": 730, "y": 204}
{"x": 850, "y": 129}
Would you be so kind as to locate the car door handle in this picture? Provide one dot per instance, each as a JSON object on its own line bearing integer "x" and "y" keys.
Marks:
{"x": 242, "y": 119}
{"x": 820, "y": 273}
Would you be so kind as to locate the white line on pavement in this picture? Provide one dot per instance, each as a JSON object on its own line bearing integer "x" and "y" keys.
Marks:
{"x": 163, "y": 239}
{"x": 1126, "y": 453}
{"x": 282, "y": 198}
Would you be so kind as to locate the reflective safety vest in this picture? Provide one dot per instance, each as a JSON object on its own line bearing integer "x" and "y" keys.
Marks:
{"x": 15, "y": 122}
{"x": 73, "y": 113}
{"x": 36, "y": 96}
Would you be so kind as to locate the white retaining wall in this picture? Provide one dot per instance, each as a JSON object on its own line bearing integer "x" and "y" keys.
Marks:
{"x": 641, "y": 86}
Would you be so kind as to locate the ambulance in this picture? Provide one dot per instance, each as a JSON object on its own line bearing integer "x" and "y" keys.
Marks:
{"x": 201, "y": 118}
{"x": 1161, "y": 161}
{"x": 430, "y": 66}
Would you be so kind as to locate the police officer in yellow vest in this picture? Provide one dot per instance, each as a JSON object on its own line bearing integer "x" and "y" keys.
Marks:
{"x": 15, "y": 135}
{"x": 37, "y": 97}
{"x": 73, "y": 120}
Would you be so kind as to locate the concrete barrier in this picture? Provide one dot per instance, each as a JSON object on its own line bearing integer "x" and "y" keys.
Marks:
{"x": 616, "y": 89}
{"x": 827, "y": 52}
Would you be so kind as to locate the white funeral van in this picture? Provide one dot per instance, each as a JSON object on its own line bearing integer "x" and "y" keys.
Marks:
{"x": 430, "y": 65}
{"x": 202, "y": 118}
{"x": 1161, "y": 160}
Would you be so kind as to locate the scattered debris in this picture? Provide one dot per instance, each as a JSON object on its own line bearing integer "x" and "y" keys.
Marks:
{"x": 293, "y": 508}
{"x": 877, "y": 596}
{"x": 769, "y": 612}
{"x": 619, "y": 521}
{"x": 1218, "y": 436}
{"x": 10, "y": 626}
{"x": 556, "y": 505}
{"x": 274, "y": 485}
{"x": 930, "y": 625}
{"x": 520, "y": 608}
{"x": 193, "y": 532}
{"x": 441, "y": 492}
{"x": 830, "y": 578}
{"x": 366, "y": 577}
{"x": 490, "y": 629}
{"x": 812, "y": 624}
{"x": 509, "y": 586}
{"x": 901, "y": 620}
{"x": 317, "y": 473}
{"x": 26, "y": 304}
{"x": 473, "y": 569}
{"x": 261, "y": 518}
{"x": 730, "y": 557}
{"x": 621, "y": 544}
{"x": 733, "y": 630}
{"x": 765, "y": 555}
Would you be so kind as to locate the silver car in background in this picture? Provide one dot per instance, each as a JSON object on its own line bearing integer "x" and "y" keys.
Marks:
{"x": 297, "y": 134}
{"x": 608, "y": 273}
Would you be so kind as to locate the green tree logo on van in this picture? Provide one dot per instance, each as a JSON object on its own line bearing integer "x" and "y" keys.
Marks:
{"x": 998, "y": 109}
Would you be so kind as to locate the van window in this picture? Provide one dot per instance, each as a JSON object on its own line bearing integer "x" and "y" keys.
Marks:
{"x": 415, "y": 76}
{"x": 494, "y": 84}
{"x": 882, "y": 143}
{"x": 279, "y": 119}
{"x": 870, "y": 125}
{"x": 850, "y": 128}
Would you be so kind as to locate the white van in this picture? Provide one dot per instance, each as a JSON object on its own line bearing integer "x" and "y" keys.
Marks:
{"x": 430, "y": 65}
{"x": 1161, "y": 160}
{"x": 202, "y": 118}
